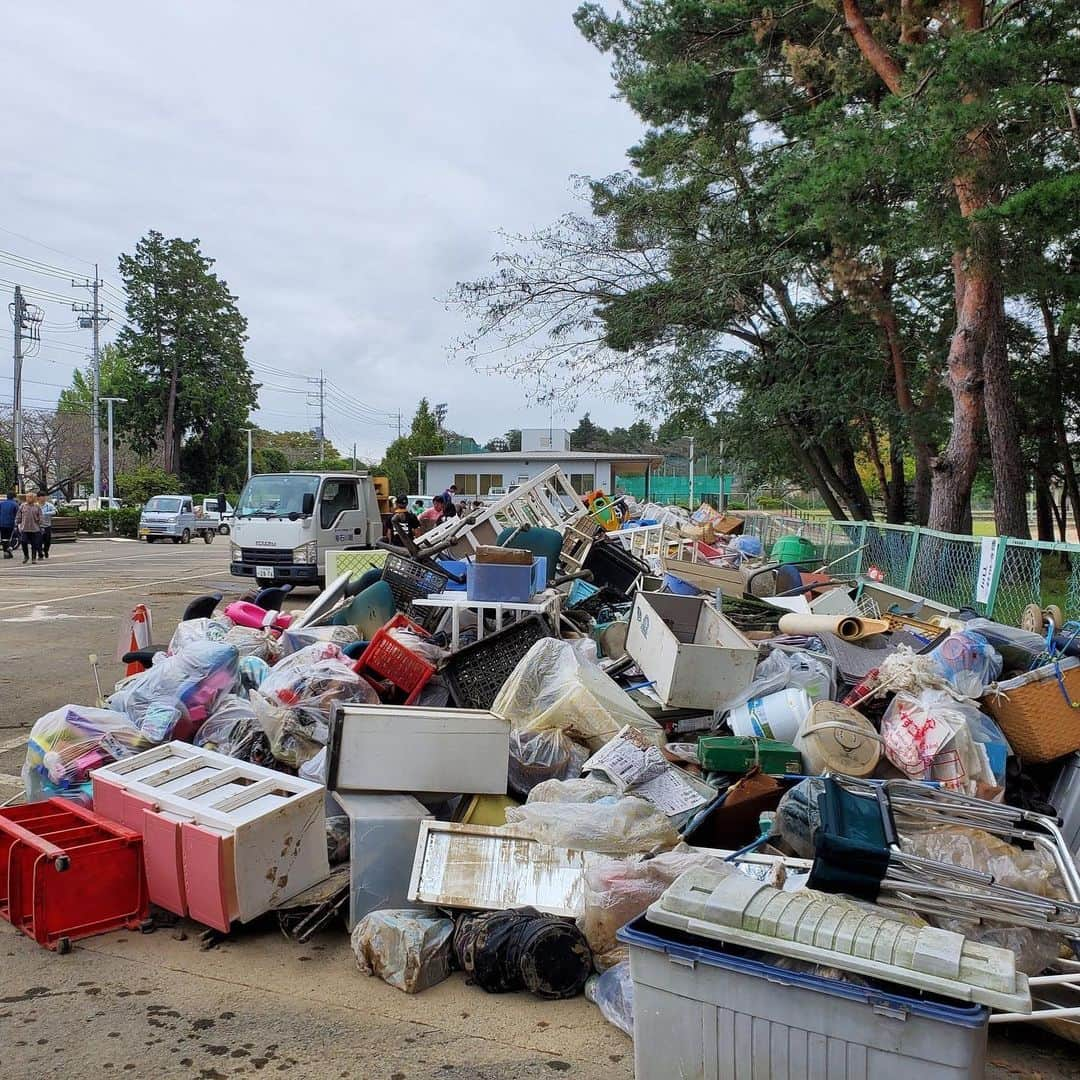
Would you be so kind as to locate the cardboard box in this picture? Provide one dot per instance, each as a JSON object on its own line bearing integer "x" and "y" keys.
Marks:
{"x": 692, "y": 654}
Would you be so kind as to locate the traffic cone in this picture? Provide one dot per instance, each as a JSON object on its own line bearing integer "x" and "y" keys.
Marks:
{"x": 139, "y": 636}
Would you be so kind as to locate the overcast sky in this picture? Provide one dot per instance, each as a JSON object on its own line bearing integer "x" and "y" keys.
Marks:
{"x": 345, "y": 163}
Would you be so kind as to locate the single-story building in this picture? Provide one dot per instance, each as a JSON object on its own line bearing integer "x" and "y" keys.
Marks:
{"x": 476, "y": 474}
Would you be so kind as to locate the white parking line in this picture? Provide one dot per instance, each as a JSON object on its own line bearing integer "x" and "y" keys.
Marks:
{"x": 116, "y": 589}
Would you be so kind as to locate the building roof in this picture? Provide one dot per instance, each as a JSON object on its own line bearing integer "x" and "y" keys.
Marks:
{"x": 547, "y": 455}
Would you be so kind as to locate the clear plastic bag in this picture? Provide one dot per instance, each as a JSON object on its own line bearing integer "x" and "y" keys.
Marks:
{"x": 425, "y": 649}
{"x": 66, "y": 744}
{"x": 539, "y": 756}
{"x": 778, "y": 671}
{"x": 553, "y": 688}
{"x": 293, "y": 641}
{"x": 934, "y": 737}
{"x": 191, "y": 630}
{"x": 613, "y": 994}
{"x": 409, "y": 949}
{"x": 968, "y": 661}
{"x": 308, "y": 682}
{"x": 619, "y": 890}
{"x": 1019, "y": 648}
{"x": 191, "y": 680}
{"x": 623, "y": 826}
{"x": 248, "y": 641}
{"x": 232, "y": 713}
{"x": 587, "y": 789}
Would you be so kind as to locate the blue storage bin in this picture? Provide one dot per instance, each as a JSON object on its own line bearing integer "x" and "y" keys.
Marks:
{"x": 498, "y": 583}
{"x": 458, "y": 567}
{"x": 679, "y": 587}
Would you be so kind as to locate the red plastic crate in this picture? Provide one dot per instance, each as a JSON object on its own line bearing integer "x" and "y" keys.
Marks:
{"x": 68, "y": 873}
{"x": 387, "y": 659}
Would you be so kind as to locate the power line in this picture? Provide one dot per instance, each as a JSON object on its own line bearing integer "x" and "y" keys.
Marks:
{"x": 38, "y": 243}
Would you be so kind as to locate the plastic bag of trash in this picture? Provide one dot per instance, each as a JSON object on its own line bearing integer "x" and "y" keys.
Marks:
{"x": 619, "y": 890}
{"x": 232, "y": 713}
{"x": 586, "y": 789}
{"x": 309, "y": 681}
{"x": 539, "y": 756}
{"x": 778, "y": 671}
{"x": 67, "y": 743}
{"x": 968, "y": 661}
{"x": 613, "y": 994}
{"x": 294, "y": 640}
{"x": 797, "y": 817}
{"x": 934, "y": 737}
{"x": 192, "y": 680}
{"x": 1019, "y": 648}
{"x": 337, "y": 838}
{"x": 552, "y": 687}
{"x": 618, "y": 827}
{"x": 426, "y": 649}
{"x": 409, "y": 949}
{"x": 248, "y": 641}
{"x": 295, "y": 736}
{"x": 191, "y": 630}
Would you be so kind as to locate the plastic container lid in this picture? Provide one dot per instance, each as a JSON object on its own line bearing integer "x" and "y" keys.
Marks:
{"x": 837, "y": 739}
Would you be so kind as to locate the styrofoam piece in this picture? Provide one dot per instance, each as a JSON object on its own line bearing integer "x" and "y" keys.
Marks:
{"x": 825, "y": 929}
{"x": 223, "y": 839}
{"x": 383, "y": 833}
{"x": 411, "y": 748}
{"x": 693, "y": 655}
{"x": 491, "y": 869}
{"x": 701, "y": 1012}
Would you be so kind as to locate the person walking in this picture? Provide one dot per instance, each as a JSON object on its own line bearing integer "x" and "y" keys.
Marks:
{"x": 29, "y": 521}
{"x": 9, "y": 508}
{"x": 48, "y": 512}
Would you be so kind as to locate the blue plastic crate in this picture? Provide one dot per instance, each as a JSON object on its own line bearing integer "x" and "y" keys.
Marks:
{"x": 498, "y": 583}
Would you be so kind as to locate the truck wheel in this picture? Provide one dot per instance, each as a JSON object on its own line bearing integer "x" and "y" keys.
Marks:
{"x": 176, "y": 539}
{"x": 149, "y": 539}
{"x": 186, "y": 538}
{"x": 208, "y": 536}
{"x": 223, "y": 530}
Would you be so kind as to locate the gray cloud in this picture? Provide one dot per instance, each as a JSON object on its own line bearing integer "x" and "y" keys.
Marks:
{"x": 344, "y": 163}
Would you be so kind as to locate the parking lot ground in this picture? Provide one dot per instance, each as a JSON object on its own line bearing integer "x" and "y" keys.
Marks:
{"x": 157, "y": 1005}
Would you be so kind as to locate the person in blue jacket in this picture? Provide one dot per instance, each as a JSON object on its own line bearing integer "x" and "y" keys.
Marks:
{"x": 8, "y": 509}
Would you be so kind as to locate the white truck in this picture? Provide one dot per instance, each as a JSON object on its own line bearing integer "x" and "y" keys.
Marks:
{"x": 286, "y": 522}
{"x": 172, "y": 517}
{"x": 209, "y": 512}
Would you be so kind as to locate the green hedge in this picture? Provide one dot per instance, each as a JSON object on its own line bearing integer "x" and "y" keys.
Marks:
{"x": 125, "y": 522}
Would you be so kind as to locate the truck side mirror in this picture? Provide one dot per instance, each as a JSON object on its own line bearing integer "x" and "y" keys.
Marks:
{"x": 307, "y": 507}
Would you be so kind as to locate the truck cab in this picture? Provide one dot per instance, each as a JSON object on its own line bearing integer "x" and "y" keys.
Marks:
{"x": 168, "y": 517}
{"x": 209, "y": 512}
{"x": 286, "y": 522}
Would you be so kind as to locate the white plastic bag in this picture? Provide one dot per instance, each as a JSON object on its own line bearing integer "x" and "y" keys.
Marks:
{"x": 778, "y": 671}
{"x": 623, "y": 826}
{"x": 191, "y": 630}
{"x": 586, "y": 789}
{"x": 539, "y": 756}
{"x": 552, "y": 687}
{"x": 613, "y": 994}
{"x": 409, "y": 949}
{"x": 232, "y": 713}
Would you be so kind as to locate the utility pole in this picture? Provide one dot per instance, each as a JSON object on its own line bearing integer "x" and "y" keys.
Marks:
{"x": 322, "y": 412}
{"x": 249, "y": 431}
{"x": 17, "y": 317}
{"x": 110, "y": 401}
{"x": 354, "y": 457}
{"x": 93, "y": 322}
{"x": 722, "y": 494}
{"x": 691, "y": 500}
{"x": 399, "y": 425}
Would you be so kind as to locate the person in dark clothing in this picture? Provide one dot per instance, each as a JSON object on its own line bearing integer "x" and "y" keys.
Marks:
{"x": 8, "y": 510}
{"x": 402, "y": 520}
{"x": 29, "y": 523}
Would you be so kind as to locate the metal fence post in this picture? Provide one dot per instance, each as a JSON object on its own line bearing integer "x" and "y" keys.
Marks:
{"x": 912, "y": 553}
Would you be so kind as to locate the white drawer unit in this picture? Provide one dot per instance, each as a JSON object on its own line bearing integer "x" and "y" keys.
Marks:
{"x": 223, "y": 840}
{"x": 394, "y": 748}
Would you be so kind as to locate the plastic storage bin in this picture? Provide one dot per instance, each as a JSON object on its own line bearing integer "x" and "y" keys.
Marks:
{"x": 500, "y": 583}
{"x": 701, "y": 1011}
{"x": 67, "y": 873}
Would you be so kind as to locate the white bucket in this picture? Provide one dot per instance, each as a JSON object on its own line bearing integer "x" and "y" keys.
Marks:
{"x": 775, "y": 716}
{"x": 836, "y": 739}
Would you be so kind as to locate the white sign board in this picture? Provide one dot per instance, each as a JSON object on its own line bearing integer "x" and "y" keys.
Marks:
{"x": 987, "y": 558}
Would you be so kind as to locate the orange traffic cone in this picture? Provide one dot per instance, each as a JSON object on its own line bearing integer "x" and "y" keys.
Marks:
{"x": 139, "y": 636}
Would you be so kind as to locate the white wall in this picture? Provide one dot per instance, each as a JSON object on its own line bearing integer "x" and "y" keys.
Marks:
{"x": 440, "y": 475}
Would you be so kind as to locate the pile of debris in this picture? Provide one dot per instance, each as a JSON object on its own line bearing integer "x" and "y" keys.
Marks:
{"x": 557, "y": 748}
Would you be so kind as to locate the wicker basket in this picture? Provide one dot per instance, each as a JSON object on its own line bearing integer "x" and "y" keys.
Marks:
{"x": 1038, "y": 721}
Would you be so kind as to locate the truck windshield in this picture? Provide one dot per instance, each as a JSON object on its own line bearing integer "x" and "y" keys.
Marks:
{"x": 275, "y": 494}
{"x": 162, "y": 504}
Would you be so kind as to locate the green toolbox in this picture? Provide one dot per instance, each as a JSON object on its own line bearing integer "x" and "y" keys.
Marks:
{"x": 737, "y": 753}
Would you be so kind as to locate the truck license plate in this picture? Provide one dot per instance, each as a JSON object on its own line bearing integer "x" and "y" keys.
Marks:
{"x": 264, "y": 571}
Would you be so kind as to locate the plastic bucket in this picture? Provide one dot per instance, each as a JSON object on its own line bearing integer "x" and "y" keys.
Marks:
{"x": 775, "y": 716}
{"x": 836, "y": 739}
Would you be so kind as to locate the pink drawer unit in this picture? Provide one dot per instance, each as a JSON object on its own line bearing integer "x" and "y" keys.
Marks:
{"x": 223, "y": 840}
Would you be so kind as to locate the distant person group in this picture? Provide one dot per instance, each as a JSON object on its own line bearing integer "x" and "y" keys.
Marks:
{"x": 27, "y": 524}
{"x": 404, "y": 520}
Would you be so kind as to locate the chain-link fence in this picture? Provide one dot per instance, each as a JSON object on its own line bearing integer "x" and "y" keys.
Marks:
{"x": 997, "y": 578}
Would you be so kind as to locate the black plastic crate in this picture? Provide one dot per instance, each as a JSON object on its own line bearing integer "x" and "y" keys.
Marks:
{"x": 410, "y": 580}
{"x": 606, "y": 597}
{"x": 611, "y": 564}
{"x": 476, "y": 674}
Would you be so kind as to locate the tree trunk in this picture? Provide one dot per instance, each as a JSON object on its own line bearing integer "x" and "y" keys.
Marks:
{"x": 924, "y": 476}
{"x": 853, "y": 485}
{"x": 813, "y": 473}
{"x": 896, "y": 510}
{"x": 1044, "y": 495}
{"x": 879, "y": 465}
{"x": 1055, "y": 345}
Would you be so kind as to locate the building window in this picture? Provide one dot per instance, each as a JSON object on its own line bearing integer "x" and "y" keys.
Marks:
{"x": 488, "y": 481}
{"x": 583, "y": 482}
{"x": 465, "y": 483}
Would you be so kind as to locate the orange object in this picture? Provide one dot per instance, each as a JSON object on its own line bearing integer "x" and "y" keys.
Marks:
{"x": 388, "y": 659}
{"x": 138, "y": 637}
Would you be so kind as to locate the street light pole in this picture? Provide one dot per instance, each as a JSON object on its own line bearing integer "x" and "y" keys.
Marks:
{"x": 723, "y": 500}
{"x": 691, "y": 500}
{"x": 110, "y": 401}
{"x": 249, "y": 431}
